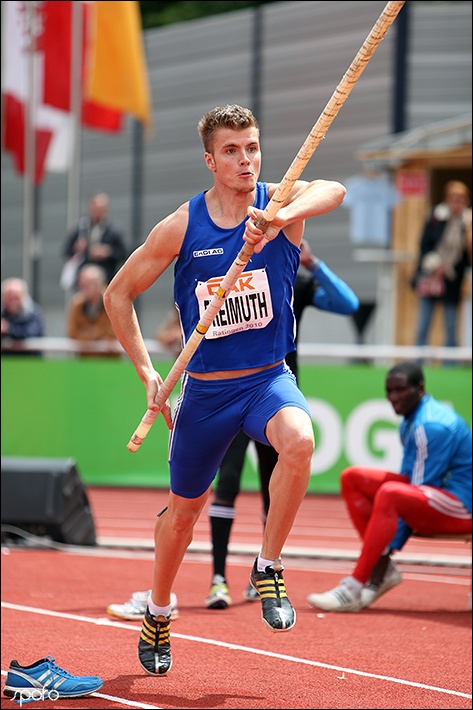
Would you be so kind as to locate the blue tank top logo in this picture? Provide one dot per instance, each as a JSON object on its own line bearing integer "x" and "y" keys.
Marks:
{"x": 207, "y": 252}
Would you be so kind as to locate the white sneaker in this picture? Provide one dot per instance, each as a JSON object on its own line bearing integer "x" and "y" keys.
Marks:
{"x": 345, "y": 597}
{"x": 219, "y": 596}
{"x": 371, "y": 592}
{"x": 135, "y": 608}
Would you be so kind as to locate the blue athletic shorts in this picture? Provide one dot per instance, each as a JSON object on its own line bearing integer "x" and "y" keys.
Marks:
{"x": 209, "y": 414}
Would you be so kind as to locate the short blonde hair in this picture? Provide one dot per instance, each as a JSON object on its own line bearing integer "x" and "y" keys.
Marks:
{"x": 232, "y": 116}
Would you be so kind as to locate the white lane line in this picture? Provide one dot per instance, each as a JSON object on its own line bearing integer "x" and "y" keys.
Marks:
{"x": 114, "y": 699}
{"x": 128, "y": 703}
{"x": 236, "y": 647}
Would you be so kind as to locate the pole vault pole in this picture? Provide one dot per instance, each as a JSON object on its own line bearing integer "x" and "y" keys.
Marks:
{"x": 294, "y": 171}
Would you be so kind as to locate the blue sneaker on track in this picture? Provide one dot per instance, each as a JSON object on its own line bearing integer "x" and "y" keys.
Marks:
{"x": 44, "y": 680}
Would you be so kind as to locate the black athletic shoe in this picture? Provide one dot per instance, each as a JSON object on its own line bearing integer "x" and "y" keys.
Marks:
{"x": 154, "y": 647}
{"x": 277, "y": 611}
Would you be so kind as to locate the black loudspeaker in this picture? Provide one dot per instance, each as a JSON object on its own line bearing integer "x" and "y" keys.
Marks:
{"x": 46, "y": 497}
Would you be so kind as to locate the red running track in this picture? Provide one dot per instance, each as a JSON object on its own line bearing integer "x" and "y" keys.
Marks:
{"x": 322, "y": 527}
{"x": 412, "y": 649}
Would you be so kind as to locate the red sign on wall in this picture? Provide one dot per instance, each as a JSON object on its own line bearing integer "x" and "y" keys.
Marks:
{"x": 412, "y": 184}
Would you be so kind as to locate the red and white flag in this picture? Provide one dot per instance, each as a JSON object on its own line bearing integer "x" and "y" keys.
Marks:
{"x": 112, "y": 80}
{"x": 22, "y": 92}
{"x": 57, "y": 41}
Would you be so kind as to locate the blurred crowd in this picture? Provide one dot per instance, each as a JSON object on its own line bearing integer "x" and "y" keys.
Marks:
{"x": 96, "y": 248}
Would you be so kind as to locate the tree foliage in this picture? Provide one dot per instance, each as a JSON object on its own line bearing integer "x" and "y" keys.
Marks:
{"x": 159, "y": 14}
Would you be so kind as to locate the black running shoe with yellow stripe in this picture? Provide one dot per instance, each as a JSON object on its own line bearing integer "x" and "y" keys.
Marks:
{"x": 277, "y": 611}
{"x": 154, "y": 647}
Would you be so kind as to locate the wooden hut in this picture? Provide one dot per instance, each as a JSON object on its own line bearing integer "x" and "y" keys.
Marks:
{"x": 420, "y": 161}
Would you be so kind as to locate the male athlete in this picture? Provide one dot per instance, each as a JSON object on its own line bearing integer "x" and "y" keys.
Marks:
{"x": 237, "y": 378}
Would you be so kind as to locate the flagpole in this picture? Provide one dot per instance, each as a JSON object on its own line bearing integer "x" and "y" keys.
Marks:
{"x": 30, "y": 147}
{"x": 73, "y": 184}
{"x": 73, "y": 194}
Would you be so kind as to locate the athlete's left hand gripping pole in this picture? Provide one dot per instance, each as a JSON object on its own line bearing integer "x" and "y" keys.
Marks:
{"x": 293, "y": 173}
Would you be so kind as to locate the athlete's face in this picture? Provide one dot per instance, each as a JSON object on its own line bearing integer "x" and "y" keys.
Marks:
{"x": 236, "y": 158}
{"x": 403, "y": 396}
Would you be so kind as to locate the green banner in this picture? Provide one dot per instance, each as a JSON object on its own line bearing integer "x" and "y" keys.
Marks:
{"x": 88, "y": 409}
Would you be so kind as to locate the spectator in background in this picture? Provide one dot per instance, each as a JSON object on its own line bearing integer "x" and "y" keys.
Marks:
{"x": 444, "y": 255}
{"x": 87, "y": 319}
{"x": 95, "y": 240}
{"x": 21, "y": 316}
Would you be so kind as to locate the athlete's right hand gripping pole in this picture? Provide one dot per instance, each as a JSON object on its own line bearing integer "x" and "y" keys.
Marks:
{"x": 293, "y": 173}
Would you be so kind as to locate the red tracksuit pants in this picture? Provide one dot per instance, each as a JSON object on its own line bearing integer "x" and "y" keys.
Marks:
{"x": 376, "y": 499}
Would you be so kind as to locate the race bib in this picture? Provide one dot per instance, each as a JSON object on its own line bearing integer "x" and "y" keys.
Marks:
{"x": 247, "y": 307}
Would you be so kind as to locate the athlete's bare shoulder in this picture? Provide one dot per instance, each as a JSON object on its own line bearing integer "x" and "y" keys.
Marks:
{"x": 168, "y": 234}
{"x": 177, "y": 220}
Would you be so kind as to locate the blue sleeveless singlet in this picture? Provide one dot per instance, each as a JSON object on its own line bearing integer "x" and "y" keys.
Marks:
{"x": 255, "y": 325}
